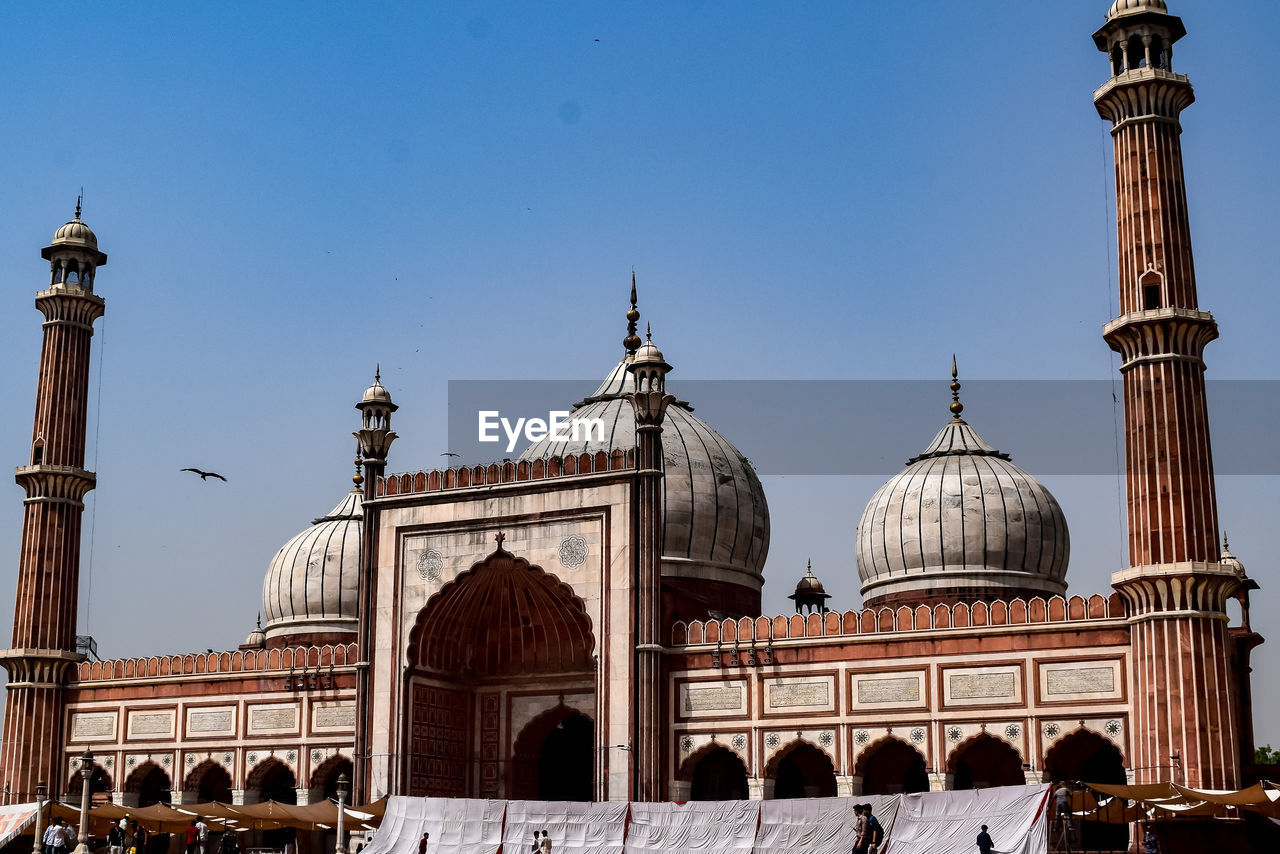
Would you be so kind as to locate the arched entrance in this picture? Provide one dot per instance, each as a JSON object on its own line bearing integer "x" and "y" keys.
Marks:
{"x": 324, "y": 780}
{"x": 272, "y": 780}
{"x": 891, "y": 767}
{"x": 148, "y": 784}
{"x": 983, "y": 762}
{"x": 100, "y": 786}
{"x": 208, "y": 781}
{"x": 801, "y": 770}
{"x": 715, "y": 774}
{"x": 1087, "y": 757}
{"x": 553, "y": 757}
{"x": 502, "y": 628}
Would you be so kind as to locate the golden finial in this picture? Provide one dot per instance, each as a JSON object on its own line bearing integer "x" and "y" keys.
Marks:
{"x": 79, "y": 199}
{"x": 632, "y": 342}
{"x": 377, "y": 373}
{"x": 956, "y": 406}
{"x": 358, "y": 480}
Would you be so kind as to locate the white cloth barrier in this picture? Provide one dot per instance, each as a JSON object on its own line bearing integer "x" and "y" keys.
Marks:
{"x": 703, "y": 826}
{"x": 818, "y": 825}
{"x": 456, "y": 825}
{"x": 927, "y": 823}
{"x": 14, "y": 819}
{"x": 946, "y": 822}
{"x": 574, "y": 828}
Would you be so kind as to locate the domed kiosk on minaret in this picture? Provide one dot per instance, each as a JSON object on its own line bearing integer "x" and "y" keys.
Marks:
{"x": 961, "y": 522}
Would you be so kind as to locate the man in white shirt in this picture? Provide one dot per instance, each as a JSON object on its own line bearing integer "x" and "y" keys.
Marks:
{"x": 202, "y": 836}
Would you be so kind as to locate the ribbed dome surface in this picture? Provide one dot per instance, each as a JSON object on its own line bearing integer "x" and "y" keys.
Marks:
{"x": 75, "y": 233}
{"x": 1131, "y": 7}
{"x": 717, "y": 521}
{"x": 961, "y": 519}
{"x": 311, "y": 585}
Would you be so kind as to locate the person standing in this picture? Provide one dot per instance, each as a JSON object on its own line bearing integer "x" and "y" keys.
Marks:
{"x": 984, "y": 841}
{"x": 422, "y": 843}
{"x": 53, "y": 836}
{"x": 115, "y": 839}
{"x": 875, "y": 833}
{"x": 536, "y": 846}
{"x": 202, "y": 835}
{"x": 1062, "y": 803}
{"x": 1150, "y": 845}
{"x": 545, "y": 845}
{"x": 859, "y": 830}
{"x": 193, "y": 836}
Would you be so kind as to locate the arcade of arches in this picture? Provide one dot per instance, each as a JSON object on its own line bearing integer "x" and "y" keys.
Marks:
{"x": 891, "y": 766}
{"x": 502, "y": 687}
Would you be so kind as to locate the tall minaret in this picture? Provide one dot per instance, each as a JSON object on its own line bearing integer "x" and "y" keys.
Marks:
{"x": 650, "y": 400}
{"x": 1185, "y": 694}
{"x": 44, "y": 619}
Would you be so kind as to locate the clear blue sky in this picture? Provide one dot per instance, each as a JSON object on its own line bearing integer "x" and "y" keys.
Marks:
{"x": 290, "y": 193}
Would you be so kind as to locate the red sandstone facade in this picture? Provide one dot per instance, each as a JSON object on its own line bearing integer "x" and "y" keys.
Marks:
{"x": 517, "y": 633}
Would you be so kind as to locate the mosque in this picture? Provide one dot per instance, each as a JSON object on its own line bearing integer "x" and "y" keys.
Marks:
{"x": 583, "y": 622}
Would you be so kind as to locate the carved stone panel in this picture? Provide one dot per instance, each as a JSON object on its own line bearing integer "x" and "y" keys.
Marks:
{"x": 888, "y": 690}
{"x": 1069, "y": 681}
{"x": 273, "y": 718}
{"x": 712, "y": 699}
{"x": 151, "y": 724}
{"x": 983, "y": 686}
{"x": 799, "y": 694}
{"x": 93, "y": 726}
{"x": 219, "y": 720}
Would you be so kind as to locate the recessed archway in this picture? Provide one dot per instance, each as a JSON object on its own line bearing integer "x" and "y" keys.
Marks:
{"x": 715, "y": 774}
{"x": 148, "y": 784}
{"x": 501, "y": 620}
{"x": 100, "y": 786}
{"x": 801, "y": 770}
{"x": 554, "y": 758}
{"x": 324, "y": 780}
{"x": 1086, "y": 757}
{"x": 984, "y": 762}
{"x": 208, "y": 781}
{"x": 891, "y": 767}
{"x": 272, "y": 780}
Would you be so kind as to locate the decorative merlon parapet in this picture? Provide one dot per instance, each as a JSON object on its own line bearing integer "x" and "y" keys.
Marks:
{"x": 963, "y": 615}
{"x": 222, "y": 663}
{"x": 441, "y": 480}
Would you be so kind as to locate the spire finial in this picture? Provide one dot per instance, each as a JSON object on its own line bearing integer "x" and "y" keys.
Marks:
{"x": 358, "y": 480}
{"x": 259, "y": 619}
{"x": 377, "y": 373}
{"x": 956, "y": 406}
{"x": 1226, "y": 547}
{"x": 808, "y": 570}
{"x": 79, "y": 199}
{"x": 632, "y": 342}
{"x": 648, "y": 332}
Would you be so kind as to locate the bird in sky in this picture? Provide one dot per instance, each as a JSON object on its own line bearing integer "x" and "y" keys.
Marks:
{"x": 450, "y": 454}
{"x": 205, "y": 475}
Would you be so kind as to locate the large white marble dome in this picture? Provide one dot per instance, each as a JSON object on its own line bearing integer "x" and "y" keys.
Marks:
{"x": 961, "y": 521}
{"x": 717, "y": 520}
{"x": 311, "y": 585}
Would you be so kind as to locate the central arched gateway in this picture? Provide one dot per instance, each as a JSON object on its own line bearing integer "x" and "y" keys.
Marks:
{"x": 501, "y": 687}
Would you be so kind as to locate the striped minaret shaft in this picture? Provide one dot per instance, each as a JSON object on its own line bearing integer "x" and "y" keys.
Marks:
{"x": 1185, "y": 693}
{"x": 55, "y": 480}
{"x": 650, "y": 401}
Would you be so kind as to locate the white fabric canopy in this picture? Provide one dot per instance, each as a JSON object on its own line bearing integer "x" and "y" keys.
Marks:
{"x": 574, "y": 828}
{"x": 817, "y": 825}
{"x": 707, "y": 827}
{"x": 14, "y": 819}
{"x": 456, "y": 825}
{"x": 946, "y": 822}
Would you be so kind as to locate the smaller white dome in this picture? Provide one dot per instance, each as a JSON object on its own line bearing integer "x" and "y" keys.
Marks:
{"x": 1133, "y": 7}
{"x": 376, "y": 393}
{"x": 75, "y": 233}
{"x": 311, "y": 585}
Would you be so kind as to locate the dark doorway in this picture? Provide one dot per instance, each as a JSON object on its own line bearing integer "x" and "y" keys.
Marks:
{"x": 719, "y": 776}
{"x": 566, "y": 764}
{"x": 891, "y": 767}
{"x": 804, "y": 772}
{"x": 984, "y": 762}
{"x": 1087, "y": 757}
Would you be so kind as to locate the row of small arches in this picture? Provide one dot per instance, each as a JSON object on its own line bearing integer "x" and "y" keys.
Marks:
{"x": 71, "y": 271}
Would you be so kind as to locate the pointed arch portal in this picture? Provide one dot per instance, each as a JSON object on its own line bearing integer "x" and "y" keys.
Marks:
{"x": 802, "y": 771}
{"x": 715, "y": 774}
{"x": 984, "y": 762}
{"x": 499, "y": 623}
{"x": 892, "y": 767}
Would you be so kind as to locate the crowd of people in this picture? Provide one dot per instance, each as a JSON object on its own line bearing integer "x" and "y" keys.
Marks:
{"x": 130, "y": 837}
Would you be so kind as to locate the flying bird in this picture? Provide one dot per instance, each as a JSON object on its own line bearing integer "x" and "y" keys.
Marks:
{"x": 205, "y": 475}
{"x": 450, "y": 454}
